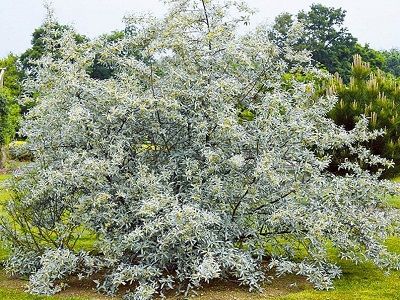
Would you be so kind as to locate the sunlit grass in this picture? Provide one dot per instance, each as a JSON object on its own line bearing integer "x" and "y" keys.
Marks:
{"x": 360, "y": 282}
{"x": 364, "y": 281}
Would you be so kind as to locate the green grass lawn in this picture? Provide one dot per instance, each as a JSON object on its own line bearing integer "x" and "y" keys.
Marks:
{"x": 363, "y": 281}
{"x": 4, "y": 196}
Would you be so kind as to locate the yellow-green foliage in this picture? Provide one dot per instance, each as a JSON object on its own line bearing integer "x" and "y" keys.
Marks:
{"x": 19, "y": 151}
{"x": 9, "y": 109}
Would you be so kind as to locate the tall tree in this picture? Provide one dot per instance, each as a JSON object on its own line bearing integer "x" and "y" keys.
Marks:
{"x": 38, "y": 48}
{"x": 392, "y": 61}
{"x": 331, "y": 44}
{"x": 101, "y": 68}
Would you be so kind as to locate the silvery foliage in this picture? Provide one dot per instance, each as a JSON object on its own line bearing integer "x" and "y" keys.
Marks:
{"x": 22, "y": 263}
{"x": 177, "y": 188}
{"x": 57, "y": 264}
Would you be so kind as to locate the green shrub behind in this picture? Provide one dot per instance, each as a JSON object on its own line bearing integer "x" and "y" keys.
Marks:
{"x": 376, "y": 95}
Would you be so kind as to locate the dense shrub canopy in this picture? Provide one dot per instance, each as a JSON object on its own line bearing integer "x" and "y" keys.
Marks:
{"x": 177, "y": 188}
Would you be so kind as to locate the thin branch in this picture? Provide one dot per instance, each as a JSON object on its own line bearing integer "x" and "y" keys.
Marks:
{"x": 241, "y": 199}
{"x": 207, "y": 22}
{"x": 274, "y": 201}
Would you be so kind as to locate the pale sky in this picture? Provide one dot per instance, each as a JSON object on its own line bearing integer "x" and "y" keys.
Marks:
{"x": 371, "y": 21}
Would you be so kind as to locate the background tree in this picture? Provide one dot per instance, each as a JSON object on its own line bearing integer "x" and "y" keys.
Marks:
{"x": 375, "y": 59}
{"x": 101, "y": 69}
{"x": 12, "y": 78}
{"x": 104, "y": 68}
{"x": 392, "y": 61}
{"x": 9, "y": 108}
{"x": 331, "y": 44}
{"x": 39, "y": 49}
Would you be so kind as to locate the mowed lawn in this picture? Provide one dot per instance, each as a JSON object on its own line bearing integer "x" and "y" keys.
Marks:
{"x": 363, "y": 282}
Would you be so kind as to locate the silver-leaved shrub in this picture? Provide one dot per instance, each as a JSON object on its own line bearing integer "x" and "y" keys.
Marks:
{"x": 175, "y": 186}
